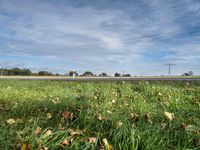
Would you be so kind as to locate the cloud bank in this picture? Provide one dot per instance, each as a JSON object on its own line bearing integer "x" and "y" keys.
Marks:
{"x": 133, "y": 36}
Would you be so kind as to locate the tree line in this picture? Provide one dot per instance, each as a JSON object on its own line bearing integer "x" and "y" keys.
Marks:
{"x": 28, "y": 72}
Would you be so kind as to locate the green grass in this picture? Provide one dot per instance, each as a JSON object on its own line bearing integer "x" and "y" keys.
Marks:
{"x": 101, "y": 110}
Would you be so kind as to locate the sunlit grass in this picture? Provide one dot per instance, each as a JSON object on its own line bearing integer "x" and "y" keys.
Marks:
{"x": 79, "y": 115}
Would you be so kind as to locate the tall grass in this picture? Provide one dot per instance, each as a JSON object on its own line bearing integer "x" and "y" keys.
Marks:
{"x": 129, "y": 115}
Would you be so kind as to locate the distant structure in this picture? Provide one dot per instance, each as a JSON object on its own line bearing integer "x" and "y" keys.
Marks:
{"x": 74, "y": 74}
{"x": 169, "y": 68}
{"x": 189, "y": 73}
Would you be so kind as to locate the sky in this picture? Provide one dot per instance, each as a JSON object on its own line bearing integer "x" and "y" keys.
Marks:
{"x": 128, "y": 36}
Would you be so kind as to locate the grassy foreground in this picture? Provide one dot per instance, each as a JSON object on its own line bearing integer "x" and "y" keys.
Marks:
{"x": 99, "y": 115}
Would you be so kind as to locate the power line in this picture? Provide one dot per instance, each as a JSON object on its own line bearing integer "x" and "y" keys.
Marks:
{"x": 169, "y": 68}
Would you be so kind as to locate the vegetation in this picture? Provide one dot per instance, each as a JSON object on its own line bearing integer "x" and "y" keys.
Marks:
{"x": 99, "y": 115}
{"x": 88, "y": 74}
{"x": 27, "y": 72}
{"x": 103, "y": 74}
{"x": 15, "y": 71}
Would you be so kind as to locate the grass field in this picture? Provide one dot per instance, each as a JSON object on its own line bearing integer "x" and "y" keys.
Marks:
{"x": 52, "y": 115}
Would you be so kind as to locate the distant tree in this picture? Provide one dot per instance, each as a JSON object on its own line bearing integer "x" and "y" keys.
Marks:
{"x": 26, "y": 72}
{"x": 117, "y": 74}
{"x": 15, "y": 72}
{"x": 44, "y": 73}
{"x": 88, "y": 74}
{"x": 103, "y": 74}
{"x": 126, "y": 75}
{"x": 4, "y": 71}
{"x": 71, "y": 73}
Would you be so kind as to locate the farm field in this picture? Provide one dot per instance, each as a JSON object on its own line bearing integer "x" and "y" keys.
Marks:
{"x": 137, "y": 115}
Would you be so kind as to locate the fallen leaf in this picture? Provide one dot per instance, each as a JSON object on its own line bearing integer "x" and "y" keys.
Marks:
{"x": 105, "y": 141}
{"x": 163, "y": 125}
{"x": 108, "y": 146}
{"x": 74, "y": 133}
{"x": 30, "y": 120}
{"x": 135, "y": 116}
{"x": 47, "y": 133}
{"x": 92, "y": 140}
{"x": 49, "y": 116}
{"x": 119, "y": 124}
{"x": 169, "y": 116}
{"x": 99, "y": 117}
{"x": 68, "y": 115}
{"x": 44, "y": 148}
{"x": 183, "y": 126}
{"x": 10, "y": 122}
{"x": 26, "y": 146}
{"x": 65, "y": 142}
{"x": 38, "y": 130}
{"x": 148, "y": 118}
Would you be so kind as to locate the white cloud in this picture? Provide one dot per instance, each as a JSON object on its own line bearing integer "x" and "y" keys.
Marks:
{"x": 87, "y": 36}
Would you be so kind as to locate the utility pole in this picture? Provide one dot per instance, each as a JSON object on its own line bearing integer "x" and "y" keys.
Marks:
{"x": 169, "y": 68}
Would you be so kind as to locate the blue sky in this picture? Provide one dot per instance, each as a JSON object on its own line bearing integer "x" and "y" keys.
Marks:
{"x": 127, "y": 36}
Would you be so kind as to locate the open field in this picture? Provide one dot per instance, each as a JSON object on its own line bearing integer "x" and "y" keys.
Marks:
{"x": 138, "y": 115}
{"x": 79, "y": 78}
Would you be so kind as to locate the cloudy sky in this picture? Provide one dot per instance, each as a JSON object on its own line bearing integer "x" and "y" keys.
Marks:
{"x": 127, "y": 36}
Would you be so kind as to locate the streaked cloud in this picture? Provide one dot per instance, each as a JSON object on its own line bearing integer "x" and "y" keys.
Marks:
{"x": 101, "y": 35}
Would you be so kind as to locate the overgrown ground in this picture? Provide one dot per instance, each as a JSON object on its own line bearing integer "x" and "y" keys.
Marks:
{"x": 99, "y": 115}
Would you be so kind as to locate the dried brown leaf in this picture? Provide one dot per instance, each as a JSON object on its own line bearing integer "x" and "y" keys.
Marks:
{"x": 163, "y": 125}
{"x": 44, "y": 148}
{"x": 38, "y": 130}
{"x": 68, "y": 115}
{"x": 99, "y": 117}
{"x": 108, "y": 146}
{"x": 92, "y": 140}
{"x": 47, "y": 133}
{"x": 65, "y": 142}
{"x": 75, "y": 132}
{"x": 148, "y": 118}
{"x": 26, "y": 146}
{"x": 10, "y": 122}
{"x": 49, "y": 115}
{"x": 135, "y": 117}
{"x": 169, "y": 116}
{"x": 119, "y": 124}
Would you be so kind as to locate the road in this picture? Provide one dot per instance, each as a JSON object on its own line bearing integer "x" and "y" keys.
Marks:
{"x": 102, "y": 78}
